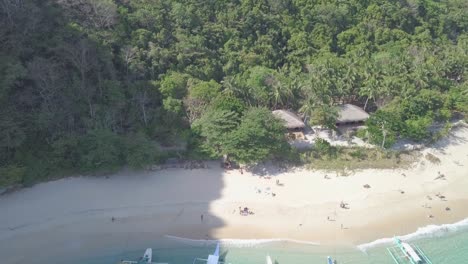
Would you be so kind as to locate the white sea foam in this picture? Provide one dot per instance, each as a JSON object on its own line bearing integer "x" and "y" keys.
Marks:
{"x": 239, "y": 242}
{"x": 422, "y": 232}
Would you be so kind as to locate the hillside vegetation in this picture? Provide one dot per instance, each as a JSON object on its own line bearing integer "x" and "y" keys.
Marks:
{"x": 91, "y": 85}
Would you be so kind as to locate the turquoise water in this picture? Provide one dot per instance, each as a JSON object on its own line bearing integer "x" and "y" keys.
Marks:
{"x": 448, "y": 248}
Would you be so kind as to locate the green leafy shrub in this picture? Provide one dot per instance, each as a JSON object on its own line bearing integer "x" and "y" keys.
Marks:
{"x": 11, "y": 175}
{"x": 358, "y": 154}
{"x": 362, "y": 133}
{"x": 100, "y": 151}
{"x": 417, "y": 128}
{"x": 383, "y": 127}
{"x": 323, "y": 147}
{"x": 140, "y": 151}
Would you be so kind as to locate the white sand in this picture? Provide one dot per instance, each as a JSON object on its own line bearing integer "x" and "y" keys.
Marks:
{"x": 73, "y": 216}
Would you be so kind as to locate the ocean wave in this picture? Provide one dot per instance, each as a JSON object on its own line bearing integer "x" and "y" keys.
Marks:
{"x": 422, "y": 232}
{"x": 239, "y": 242}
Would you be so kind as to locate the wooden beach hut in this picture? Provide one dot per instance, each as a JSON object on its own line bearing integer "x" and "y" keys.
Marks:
{"x": 292, "y": 122}
{"x": 351, "y": 115}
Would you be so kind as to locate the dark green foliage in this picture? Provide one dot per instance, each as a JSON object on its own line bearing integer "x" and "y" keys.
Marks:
{"x": 214, "y": 126}
{"x": 77, "y": 72}
{"x": 324, "y": 115}
{"x": 204, "y": 91}
{"x": 65, "y": 153}
{"x": 383, "y": 128}
{"x": 100, "y": 150}
{"x": 425, "y": 103}
{"x": 457, "y": 99}
{"x": 254, "y": 137}
{"x": 174, "y": 85}
{"x": 11, "y": 175}
{"x": 140, "y": 151}
{"x": 323, "y": 147}
{"x": 417, "y": 129}
{"x": 259, "y": 136}
{"x": 228, "y": 103}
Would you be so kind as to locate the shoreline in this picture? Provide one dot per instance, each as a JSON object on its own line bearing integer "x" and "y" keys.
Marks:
{"x": 75, "y": 213}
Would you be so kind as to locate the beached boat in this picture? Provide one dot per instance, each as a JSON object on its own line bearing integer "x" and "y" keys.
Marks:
{"x": 212, "y": 259}
{"x": 404, "y": 253}
{"x": 146, "y": 259}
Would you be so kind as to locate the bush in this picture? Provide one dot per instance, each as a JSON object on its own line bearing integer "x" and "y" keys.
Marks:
{"x": 432, "y": 158}
{"x": 11, "y": 175}
{"x": 37, "y": 169}
{"x": 362, "y": 134}
{"x": 442, "y": 133}
{"x": 100, "y": 151}
{"x": 65, "y": 153}
{"x": 358, "y": 154}
{"x": 417, "y": 129}
{"x": 425, "y": 103}
{"x": 323, "y": 147}
{"x": 140, "y": 151}
{"x": 383, "y": 125}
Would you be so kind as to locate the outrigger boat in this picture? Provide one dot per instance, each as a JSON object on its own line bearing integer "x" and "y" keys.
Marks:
{"x": 330, "y": 260}
{"x": 268, "y": 260}
{"x": 212, "y": 259}
{"x": 404, "y": 253}
{"x": 146, "y": 259}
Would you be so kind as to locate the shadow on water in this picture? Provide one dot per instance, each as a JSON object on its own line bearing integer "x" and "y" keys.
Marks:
{"x": 223, "y": 255}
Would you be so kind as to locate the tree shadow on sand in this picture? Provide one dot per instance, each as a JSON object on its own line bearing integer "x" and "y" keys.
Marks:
{"x": 126, "y": 212}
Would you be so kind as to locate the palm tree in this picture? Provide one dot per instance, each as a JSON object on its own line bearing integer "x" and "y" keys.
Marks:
{"x": 281, "y": 90}
{"x": 232, "y": 87}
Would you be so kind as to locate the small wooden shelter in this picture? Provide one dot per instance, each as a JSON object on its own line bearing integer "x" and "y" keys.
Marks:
{"x": 351, "y": 115}
{"x": 291, "y": 121}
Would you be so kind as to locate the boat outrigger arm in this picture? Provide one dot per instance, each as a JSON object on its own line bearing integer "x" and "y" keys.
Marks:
{"x": 146, "y": 259}
{"x": 404, "y": 253}
{"x": 212, "y": 259}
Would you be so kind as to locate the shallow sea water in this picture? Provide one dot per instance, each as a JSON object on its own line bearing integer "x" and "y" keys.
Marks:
{"x": 443, "y": 246}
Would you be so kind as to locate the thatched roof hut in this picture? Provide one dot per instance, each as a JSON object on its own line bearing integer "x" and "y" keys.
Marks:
{"x": 291, "y": 120}
{"x": 349, "y": 113}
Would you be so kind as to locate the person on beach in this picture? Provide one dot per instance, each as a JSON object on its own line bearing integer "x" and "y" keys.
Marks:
{"x": 201, "y": 218}
{"x": 344, "y": 205}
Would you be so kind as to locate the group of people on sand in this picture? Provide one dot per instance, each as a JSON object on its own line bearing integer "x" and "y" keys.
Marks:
{"x": 245, "y": 211}
{"x": 344, "y": 205}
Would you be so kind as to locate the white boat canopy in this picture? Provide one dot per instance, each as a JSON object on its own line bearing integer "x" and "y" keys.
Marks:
{"x": 213, "y": 259}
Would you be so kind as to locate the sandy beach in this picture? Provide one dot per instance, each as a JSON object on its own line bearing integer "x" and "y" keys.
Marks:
{"x": 77, "y": 214}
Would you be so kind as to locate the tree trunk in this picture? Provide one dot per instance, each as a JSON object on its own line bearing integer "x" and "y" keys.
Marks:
{"x": 143, "y": 109}
{"x": 365, "y": 105}
{"x": 384, "y": 135}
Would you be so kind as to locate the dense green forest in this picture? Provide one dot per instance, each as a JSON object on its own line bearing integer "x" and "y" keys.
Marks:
{"x": 91, "y": 85}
